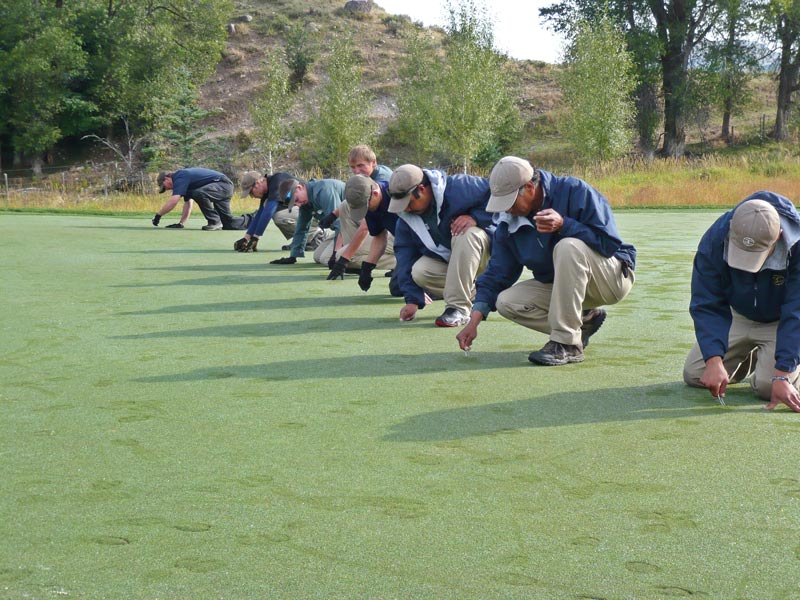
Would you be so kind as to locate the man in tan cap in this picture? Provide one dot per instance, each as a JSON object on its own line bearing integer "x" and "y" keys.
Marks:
{"x": 563, "y": 230}
{"x": 442, "y": 239}
{"x": 746, "y": 302}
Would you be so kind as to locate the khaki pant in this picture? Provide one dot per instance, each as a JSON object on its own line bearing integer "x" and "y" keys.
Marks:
{"x": 286, "y": 219}
{"x": 751, "y": 351}
{"x": 583, "y": 279}
{"x": 348, "y": 228}
{"x": 455, "y": 280}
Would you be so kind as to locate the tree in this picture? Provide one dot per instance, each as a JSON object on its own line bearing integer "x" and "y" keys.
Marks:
{"x": 343, "y": 117}
{"x": 461, "y": 101}
{"x": 676, "y": 26}
{"x": 785, "y": 18}
{"x": 72, "y": 68}
{"x": 418, "y": 114}
{"x": 733, "y": 59}
{"x": 598, "y": 81}
{"x": 179, "y": 137}
{"x": 272, "y": 105}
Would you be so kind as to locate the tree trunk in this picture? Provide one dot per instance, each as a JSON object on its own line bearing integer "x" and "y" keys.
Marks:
{"x": 726, "y": 122}
{"x": 36, "y": 165}
{"x": 674, "y": 63}
{"x": 787, "y": 83}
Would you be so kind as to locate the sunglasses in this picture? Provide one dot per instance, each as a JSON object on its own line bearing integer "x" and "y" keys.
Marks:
{"x": 412, "y": 190}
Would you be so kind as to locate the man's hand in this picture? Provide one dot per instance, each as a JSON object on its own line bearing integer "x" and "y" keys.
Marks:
{"x": 239, "y": 245}
{"x": 332, "y": 259}
{"x": 783, "y": 392}
{"x": 467, "y": 335}
{"x": 408, "y": 312}
{"x": 365, "y": 276}
{"x": 337, "y": 271}
{"x": 461, "y": 223}
{"x": 715, "y": 377}
{"x": 326, "y": 221}
{"x": 287, "y": 260}
{"x": 548, "y": 221}
{"x": 156, "y": 220}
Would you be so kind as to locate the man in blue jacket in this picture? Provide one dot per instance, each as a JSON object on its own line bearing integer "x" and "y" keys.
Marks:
{"x": 746, "y": 302}
{"x": 442, "y": 239}
{"x": 271, "y": 208}
{"x": 563, "y": 230}
{"x": 364, "y": 250}
{"x": 211, "y": 190}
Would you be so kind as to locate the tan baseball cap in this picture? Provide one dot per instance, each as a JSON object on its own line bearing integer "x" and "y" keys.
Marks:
{"x": 249, "y": 179}
{"x": 508, "y": 175}
{"x": 357, "y": 192}
{"x": 755, "y": 227}
{"x": 403, "y": 181}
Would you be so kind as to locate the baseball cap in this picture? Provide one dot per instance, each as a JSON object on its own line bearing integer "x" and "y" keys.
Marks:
{"x": 508, "y": 175}
{"x": 357, "y": 192}
{"x": 403, "y": 181}
{"x": 162, "y": 175}
{"x": 755, "y": 227}
{"x": 249, "y": 179}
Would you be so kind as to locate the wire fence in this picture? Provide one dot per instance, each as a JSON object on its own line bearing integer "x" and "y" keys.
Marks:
{"x": 94, "y": 179}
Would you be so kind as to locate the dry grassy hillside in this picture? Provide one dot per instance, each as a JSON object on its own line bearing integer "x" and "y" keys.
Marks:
{"x": 378, "y": 37}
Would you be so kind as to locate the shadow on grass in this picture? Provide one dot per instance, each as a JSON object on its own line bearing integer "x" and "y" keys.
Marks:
{"x": 258, "y": 304}
{"x": 231, "y": 280}
{"x": 277, "y": 328}
{"x": 613, "y": 405}
{"x": 380, "y": 365}
{"x": 175, "y": 251}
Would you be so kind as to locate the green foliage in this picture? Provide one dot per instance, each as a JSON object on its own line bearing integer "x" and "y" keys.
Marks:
{"x": 597, "y": 82}
{"x": 461, "y": 103}
{"x": 302, "y": 49}
{"x": 273, "y": 102}
{"x": 70, "y": 70}
{"x": 178, "y": 140}
{"x": 343, "y": 117}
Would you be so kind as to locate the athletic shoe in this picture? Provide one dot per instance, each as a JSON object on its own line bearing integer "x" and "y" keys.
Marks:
{"x": 286, "y": 247}
{"x": 452, "y": 317}
{"x": 212, "y": 227}
{"x": 592, "y": 321}
{"x": 174, "y": 226}
{"x": 554, "y": 354}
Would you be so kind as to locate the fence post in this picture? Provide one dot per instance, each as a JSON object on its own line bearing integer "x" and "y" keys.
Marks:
{"x": 5, "y": 178}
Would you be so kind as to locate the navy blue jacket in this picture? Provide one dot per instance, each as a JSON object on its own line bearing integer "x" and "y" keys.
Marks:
{"x": 772, "y": 294}
{"x": 380, "y": 219}
{"x": 454, "y": 195}
{"x": 587, "y": 217}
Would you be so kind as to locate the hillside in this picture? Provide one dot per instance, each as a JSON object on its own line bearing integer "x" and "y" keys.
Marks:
{"x": 378, "y": 38}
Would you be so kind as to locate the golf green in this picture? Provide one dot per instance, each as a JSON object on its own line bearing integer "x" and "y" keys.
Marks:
{"x": 178, "y": 420}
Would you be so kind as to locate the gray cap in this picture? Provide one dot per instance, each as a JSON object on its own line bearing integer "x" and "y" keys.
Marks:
{"x": 162, "y": 175}
{"x": 403, "y": 181}
{"x": 508, "y": 175}
{"x": 357, "y": 193}
{"x": 249, "y": 179}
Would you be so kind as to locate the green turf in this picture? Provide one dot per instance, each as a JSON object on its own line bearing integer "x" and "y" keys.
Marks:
{"x": 181, "y": 421}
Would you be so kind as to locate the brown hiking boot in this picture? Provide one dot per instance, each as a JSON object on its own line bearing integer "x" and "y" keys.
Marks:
{"x": 554, "y": 354}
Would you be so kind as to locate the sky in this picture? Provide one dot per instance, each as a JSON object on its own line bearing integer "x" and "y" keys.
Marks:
{"x": 517, "y": 30}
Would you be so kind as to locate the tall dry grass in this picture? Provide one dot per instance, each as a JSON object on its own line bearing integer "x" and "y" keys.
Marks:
{"x": 634, "y": 183}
